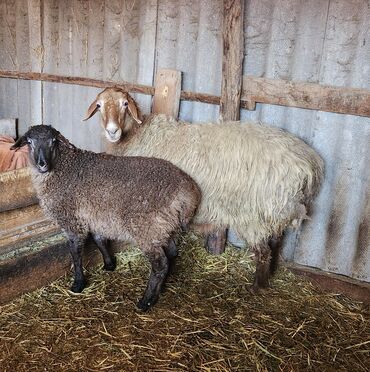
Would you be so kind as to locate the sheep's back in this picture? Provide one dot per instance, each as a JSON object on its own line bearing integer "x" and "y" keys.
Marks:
{"x": 136, "y": 199}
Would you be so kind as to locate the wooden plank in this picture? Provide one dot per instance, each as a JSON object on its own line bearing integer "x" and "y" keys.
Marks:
{"x": 22, "y": 225}
{"x": 232, "y": 60}
{"x": 16, "y": 189}
{"x": 333, "y": 282}
{"x": 353, "y": 101}
{"x": 167, "y": 92}
{"x": 74, "y": 80}
{"x": 36, "y": 263}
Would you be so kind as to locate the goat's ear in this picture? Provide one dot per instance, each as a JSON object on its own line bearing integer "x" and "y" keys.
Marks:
{"x": 134, "y": 111}
{"x": 93, "y": 108}
{"x": 21, "y": 141}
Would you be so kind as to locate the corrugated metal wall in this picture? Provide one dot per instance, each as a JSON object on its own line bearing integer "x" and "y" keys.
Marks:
{"x": 322, "y": 41}
{"x": 328, "y": 42}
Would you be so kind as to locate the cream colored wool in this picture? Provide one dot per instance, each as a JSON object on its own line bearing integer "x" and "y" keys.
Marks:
{"x": 255, "y": 179}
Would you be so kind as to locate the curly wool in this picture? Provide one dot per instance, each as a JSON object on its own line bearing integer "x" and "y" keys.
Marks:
{"x": 136, "y": 199}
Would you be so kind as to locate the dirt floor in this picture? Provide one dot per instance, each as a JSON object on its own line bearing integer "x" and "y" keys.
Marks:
{"x": 206, "y": 320}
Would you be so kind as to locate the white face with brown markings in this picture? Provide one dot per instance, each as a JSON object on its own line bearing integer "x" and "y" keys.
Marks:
{"x": 113, "y": 104}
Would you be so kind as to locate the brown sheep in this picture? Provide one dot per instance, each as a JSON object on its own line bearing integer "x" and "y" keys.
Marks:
{"x": 142, "y": 200}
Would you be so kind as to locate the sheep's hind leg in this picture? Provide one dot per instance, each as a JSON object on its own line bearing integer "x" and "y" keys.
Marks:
{"x": 275, "y": 244}
{"x": 158, "y": 274}
{"x": 262, "y": 274}
{"x": 76, "y": 243}
{"x": 109, "y": 260}
{"x": 216, "y": 241}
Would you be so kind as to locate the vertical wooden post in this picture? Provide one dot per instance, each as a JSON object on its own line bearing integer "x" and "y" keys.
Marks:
{"x": 232, "y": 60}
{"x": 35, "y": 8}
{"x": 167, "y": 92}
{"x": 231, "y": 88}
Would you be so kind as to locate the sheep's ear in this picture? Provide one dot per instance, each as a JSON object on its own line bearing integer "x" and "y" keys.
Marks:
{"x": 134, "y": 111}
{"x": 93, "y": 108}
{"x": 64, "y": 140}
{"x": 21, "y": 141}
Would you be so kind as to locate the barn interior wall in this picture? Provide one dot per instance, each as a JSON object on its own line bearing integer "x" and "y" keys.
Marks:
{"x": 318, "y": 41}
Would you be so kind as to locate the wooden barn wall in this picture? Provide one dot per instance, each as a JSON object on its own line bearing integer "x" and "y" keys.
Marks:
{"x": 319, "y": 41}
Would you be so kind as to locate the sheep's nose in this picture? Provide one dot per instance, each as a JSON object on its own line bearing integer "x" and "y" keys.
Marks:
{"x": 113, "y": 131}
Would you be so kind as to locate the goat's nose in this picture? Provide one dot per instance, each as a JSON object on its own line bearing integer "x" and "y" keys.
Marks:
{"x": 41, "y": 163}
{"x": 113, "y": 131}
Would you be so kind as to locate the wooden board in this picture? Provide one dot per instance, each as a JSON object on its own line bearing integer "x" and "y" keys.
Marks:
{"x": 232, "y": 59}
{"x": 16, "y": 189}
{"x": 22, "y": 225}
{"x": 167, "y": 92}
{"x": 333, "y": 283}
{"x": 306, "y": 95}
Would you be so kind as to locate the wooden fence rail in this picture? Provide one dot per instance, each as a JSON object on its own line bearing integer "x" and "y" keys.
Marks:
{"x": 352, "y": 101}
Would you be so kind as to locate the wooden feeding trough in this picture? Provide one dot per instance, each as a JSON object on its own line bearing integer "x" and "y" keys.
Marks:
{"x": 22, "y": 226}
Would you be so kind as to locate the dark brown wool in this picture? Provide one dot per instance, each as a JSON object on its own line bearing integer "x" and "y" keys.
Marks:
{"x": 145, "y": 201}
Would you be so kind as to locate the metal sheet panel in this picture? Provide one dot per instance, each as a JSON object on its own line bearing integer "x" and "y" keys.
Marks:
{"x": 325, "y": 42}
{"x": 18, "y": 99}
{"x": 104, "y": 40}
{"x": 189, "y": 39}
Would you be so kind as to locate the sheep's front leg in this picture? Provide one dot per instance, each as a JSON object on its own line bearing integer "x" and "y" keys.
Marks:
{"x": 76, "y": 243}
{"x": 109, "y": 260}
{"x": 159, "y": 263}
{"x": 262, "y": 275}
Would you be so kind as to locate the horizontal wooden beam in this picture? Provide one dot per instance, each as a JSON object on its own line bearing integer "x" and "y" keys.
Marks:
{"x": 134, "y": 88}
{"x": 95, "y": 83}
{"x": 333, "y": 283}
{"x": 352, "y": 101}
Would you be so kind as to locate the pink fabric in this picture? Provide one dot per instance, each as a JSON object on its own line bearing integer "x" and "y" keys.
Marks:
{"x": 10, "y": 159}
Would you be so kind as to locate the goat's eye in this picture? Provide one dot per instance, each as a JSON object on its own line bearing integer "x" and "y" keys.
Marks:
{"x": 29, "y": 141}
{"x": 125, "y": 104}
{"x": 54, "y": 140}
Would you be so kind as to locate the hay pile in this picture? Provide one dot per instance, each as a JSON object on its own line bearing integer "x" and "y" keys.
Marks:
{"x": 205, "y": 320}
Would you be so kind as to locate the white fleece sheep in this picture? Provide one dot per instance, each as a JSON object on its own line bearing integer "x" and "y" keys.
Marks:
{"x": 256, "y": 180}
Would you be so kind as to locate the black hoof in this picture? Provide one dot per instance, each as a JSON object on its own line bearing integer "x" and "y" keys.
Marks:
{"x": 111, "y": 266}
{"x": 78, "y": 287}
{"x": 144, "y": 305}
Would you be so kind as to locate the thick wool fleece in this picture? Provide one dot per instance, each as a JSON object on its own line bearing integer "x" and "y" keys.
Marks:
{"x": 142, "y": 200}
{"x": 255, "y": 179}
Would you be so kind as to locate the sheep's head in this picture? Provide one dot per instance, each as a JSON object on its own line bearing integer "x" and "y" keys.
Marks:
{"x": 113, "y": 104}
{"x": 42, "y": 141}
